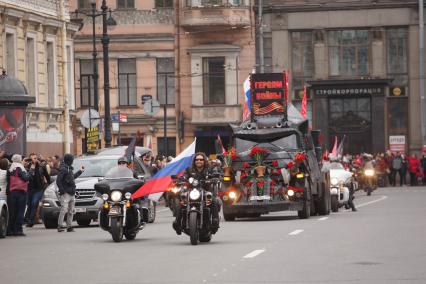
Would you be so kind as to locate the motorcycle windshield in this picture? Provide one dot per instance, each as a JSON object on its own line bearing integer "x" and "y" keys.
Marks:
{"x": 119, "y": 172}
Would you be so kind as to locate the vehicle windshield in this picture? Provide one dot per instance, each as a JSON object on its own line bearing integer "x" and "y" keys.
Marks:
{"x": 94, "y": 167}
{"x": 336, "y": 166}
{"x": 119, "y": 172}
{"x": 279, "y": 144}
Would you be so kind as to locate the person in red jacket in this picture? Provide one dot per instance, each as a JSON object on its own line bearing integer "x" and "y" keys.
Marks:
{"x": 413, "y": 168}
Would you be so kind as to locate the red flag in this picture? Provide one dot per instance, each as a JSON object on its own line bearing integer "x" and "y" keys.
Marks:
{"x": 334, "y": 152}
{"x": 220, "y": 143}
{"x": 286, "y": 86}
{"x": 304, "y": 102}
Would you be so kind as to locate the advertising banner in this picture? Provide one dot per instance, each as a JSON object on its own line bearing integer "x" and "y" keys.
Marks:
{"x": 12, "y": 124}
{"x": 268, "y": 94}
{"x": 397, "y": 143}
{"x": 92, "y": 138}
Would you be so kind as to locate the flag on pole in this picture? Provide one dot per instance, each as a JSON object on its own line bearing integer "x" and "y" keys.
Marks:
{"x": 162, "y": 179}
{"x": 286, "y": 85}
{"x": 130, "y": 151}
{"x": 334, "y": 151}
{"x": 304, "y": 103}
{"x": 220, "y": 143}
{"x": 247, "y": 102}
{"x": 340, "y": 147}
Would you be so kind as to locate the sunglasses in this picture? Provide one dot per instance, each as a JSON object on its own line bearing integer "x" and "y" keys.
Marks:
{"x": 122, "y": 163}
{"x": 199, "y": 159}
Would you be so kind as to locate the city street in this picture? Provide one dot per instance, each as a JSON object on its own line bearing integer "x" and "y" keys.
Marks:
{"x": 381, "y": 243}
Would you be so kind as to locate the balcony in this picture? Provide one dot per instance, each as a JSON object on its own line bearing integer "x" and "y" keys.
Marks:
{"x": 215, "y": 13}
{"x": 216, "y": 114}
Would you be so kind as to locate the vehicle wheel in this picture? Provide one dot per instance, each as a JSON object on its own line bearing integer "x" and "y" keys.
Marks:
{"x": 84, "y": 222}
{"x": 117, "y": 229}
{"x": 324, "y": 202}
{"x": 50, "y": 223}
{"x": 130, "y": 236}
{"x": 228, "y": 217}
{"x": 3, "y": 223}
{"x": 334, "y": 203}
{"x": 193, "y": 228}
{"x": 152, "y": 212}
{"x": 205, "y": 238}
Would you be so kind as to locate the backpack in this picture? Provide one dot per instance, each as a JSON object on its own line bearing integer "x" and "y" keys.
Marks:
{"x": 397, "y": 163}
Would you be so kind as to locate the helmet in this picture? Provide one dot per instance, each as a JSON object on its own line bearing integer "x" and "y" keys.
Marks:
{"x": 123, "y": 160}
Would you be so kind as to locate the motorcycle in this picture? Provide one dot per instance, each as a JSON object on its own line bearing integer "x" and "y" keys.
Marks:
{"x": 369, "y": 183}
{"x": 120, "y": 215}
{"x": 341, "y": 182}
{"x": 196, "y": 206}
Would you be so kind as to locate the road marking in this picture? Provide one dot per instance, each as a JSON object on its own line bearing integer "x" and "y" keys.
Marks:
{"x": 296, "y": 232}
{"x": 369, "y": 202}
{"x": 254, "y": 253}
{"x": 323, "y": 219}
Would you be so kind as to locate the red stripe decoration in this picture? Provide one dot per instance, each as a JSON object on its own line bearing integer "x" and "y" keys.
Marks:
{"x": 267, "y": 109}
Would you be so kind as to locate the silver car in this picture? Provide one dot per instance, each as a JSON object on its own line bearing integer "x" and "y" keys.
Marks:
{"x": 88, "y": 202}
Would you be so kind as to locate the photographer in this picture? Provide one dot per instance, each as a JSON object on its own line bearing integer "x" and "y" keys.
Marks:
{"x": 39, "y": 180}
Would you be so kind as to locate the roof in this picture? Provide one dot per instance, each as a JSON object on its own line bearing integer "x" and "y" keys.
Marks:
{"x": 121, "y": 150}
{"x": 13, "y": 90}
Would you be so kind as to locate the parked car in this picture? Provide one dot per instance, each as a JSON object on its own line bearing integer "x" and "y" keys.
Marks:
{"x": 4, "y": 214}
{"x": 88, "y": 202}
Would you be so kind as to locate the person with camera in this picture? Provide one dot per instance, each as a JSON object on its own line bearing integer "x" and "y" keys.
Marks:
{"x": 66, "y": 185}
{"x": 39, "y": 180}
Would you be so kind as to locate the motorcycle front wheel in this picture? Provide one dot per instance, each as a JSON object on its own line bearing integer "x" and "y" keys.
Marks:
{"x": 193, "y": 228}
{"x": 117, "y": 229}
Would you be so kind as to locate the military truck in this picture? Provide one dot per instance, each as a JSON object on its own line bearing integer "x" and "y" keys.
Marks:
{"x": 275, "y": 164}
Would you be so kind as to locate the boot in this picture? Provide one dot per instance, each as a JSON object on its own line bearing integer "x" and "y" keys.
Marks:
{"x": 177, "y": 228}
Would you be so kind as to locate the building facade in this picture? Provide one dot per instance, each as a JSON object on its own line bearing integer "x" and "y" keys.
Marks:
{"x": 216, "y": 53}
{"x": 36, "y": 47}
{"x": 141, "y": 65}
{"x": 359, "y": 61}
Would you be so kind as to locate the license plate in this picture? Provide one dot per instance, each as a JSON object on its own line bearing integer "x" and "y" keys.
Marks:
{"x": 263, "y": 197}
{"x": 80, "y": 210}
{"x": 114, "y": 211}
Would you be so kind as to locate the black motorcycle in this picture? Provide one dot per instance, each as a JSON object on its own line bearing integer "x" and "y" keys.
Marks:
{"x": 120, "y": 215}
{"x": 196, "y": 206}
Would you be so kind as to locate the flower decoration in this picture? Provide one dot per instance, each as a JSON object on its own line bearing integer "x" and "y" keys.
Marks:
{"x": 275, "y": 163}
{"x": 229, "y": 156}
{"x": 299, "y": 157}
{"x": 290, "y": 165}
{"x": 260, "y": 187}
{"x": 246, "y": 165}
{"x": 258, "y": 154}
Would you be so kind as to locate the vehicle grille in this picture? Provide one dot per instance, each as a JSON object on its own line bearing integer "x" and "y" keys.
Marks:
{"x": 85, "y": 203}
{"x": 84, "y": 194}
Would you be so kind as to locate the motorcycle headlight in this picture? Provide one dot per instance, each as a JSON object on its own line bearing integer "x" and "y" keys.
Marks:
{"x": 105, "y": 197}
{"x": 116, "y": 196}
{"x": 334, "y": 181}
{"x": 194, "y": 194}
{"x": 127, "y": 195}
{"x": 369, "y": 172}
{"x": 175, "y": 189}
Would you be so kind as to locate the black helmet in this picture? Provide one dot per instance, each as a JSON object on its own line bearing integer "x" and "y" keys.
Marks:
{"x": 123, "y": 160}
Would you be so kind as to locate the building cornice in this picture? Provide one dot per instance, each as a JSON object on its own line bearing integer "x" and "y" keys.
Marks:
{"x": 128, "y": 38}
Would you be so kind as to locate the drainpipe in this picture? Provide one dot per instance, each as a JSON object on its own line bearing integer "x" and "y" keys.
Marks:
{"x": 177, "y": 73}
{"x": 67, "y": 143}
{"x": 422, "y": 73}
{"x": 260, "y": 22}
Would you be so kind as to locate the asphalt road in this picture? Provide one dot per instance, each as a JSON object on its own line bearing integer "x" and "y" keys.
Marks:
{"x": 384, "y": 242}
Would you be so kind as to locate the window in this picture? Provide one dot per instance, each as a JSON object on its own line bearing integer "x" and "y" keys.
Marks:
{"x": 30, "y": 61}
{"x": 349, "y": 52}
{"x": 398, "y": 115}
{"x": 165, "y": 71}
{"x": 51, "y": 84}
{"x": 127, "y": 82}
{"x": 396, "y": 50}
{"x": 302, "y": 58}
{"x": 171, "y": 146}
{"x": 125, "y": 4}
{"x": 87, "y": 86}
{"x": 84, "y": 4}
{"x": 163, "y": 3}
{"x": 214, "y": 80}
{"x": 10, "y": 54}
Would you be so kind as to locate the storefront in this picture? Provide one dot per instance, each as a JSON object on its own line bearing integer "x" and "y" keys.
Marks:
{"x": 354, "y": 109}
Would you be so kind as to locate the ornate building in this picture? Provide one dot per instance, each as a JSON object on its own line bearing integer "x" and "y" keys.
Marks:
{"x": 360, "y": 62}
{"x": 36, "y": 47}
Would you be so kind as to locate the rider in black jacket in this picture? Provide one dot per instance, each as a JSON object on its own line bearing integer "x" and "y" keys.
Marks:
{"x": 198, "y": 170}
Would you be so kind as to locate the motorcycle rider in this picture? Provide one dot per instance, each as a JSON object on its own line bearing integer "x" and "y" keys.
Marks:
{"x": 199, "y": 170}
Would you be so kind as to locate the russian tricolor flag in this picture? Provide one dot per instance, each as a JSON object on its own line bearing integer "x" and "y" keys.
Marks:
{"x": 161, "y": 180}
{"x": 247, "y": 102}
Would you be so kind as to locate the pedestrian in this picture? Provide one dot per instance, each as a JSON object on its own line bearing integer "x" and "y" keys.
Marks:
{"x": 66, "y": 185}
{"x": 423, "y": 166}
{"x": 396, "y": 168}
{"x": 389, "y": 170}
{"x": 40, "y": 179}
{"x": 17, "y": 179}
{"x": 404, "y": 169}
{"x": 413, "y": 167}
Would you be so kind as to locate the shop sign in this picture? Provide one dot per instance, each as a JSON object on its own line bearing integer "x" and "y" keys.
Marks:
{"x": 268, "y": 94}
{"x": 397, "y": 143}
{"x": 347, "y": 91}
{"x": 397, "y": 91}
{"x": 92, "y": 138}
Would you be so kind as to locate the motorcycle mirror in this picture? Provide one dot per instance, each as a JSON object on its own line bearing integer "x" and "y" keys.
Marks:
{"x": 141, "y": 177}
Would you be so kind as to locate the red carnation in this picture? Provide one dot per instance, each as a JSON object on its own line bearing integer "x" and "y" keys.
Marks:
{"x": 260, "y": 184}
{"x": 300, "y": 157}
{"x": 245, "y": 165}
{"x": 290, "y": 165}
{"x": 275, "y": 163}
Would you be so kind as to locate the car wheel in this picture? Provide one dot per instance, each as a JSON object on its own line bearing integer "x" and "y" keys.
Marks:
{"x": 84, "y": 222}
{"x": 50, "y": 223}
